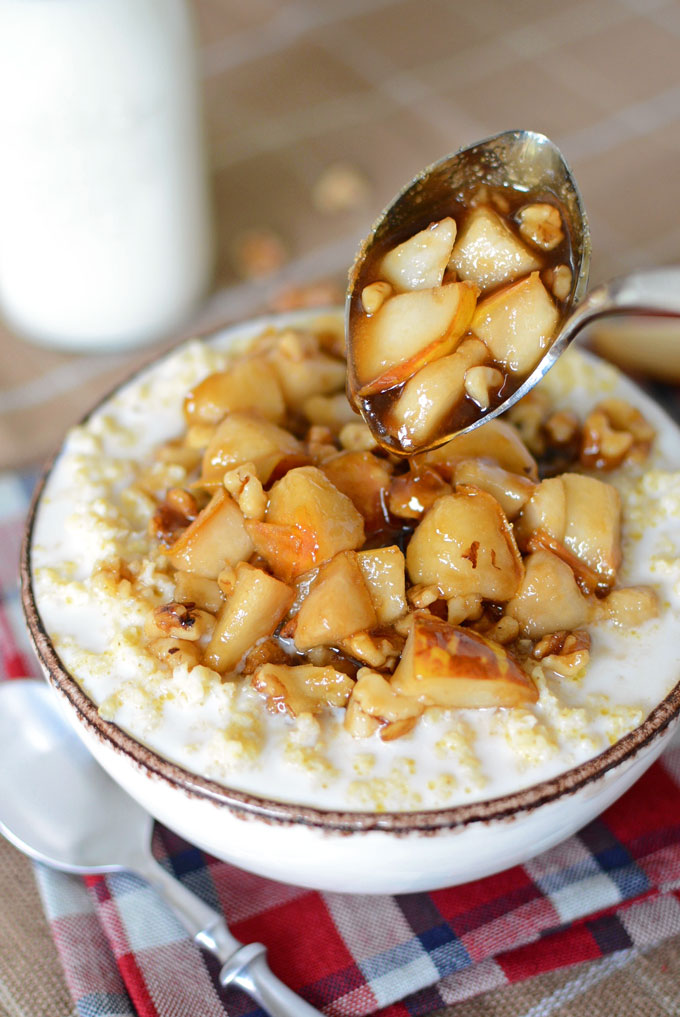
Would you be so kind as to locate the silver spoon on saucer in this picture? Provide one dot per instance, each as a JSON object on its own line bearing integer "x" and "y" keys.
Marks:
{"x": 530, "y": 162}
{"x": 60, "y": 808}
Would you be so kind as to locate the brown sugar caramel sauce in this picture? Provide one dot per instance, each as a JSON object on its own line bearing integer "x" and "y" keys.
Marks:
{"x": 376, "y": 408}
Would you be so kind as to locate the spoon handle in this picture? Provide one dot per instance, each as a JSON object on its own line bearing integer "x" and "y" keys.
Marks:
{"x": 244, "y": 967}
{"x": 654, "y": 291}
{"x": 248, "y": 969}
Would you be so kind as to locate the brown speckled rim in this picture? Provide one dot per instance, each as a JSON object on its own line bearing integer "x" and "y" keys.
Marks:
{"x": 248, "y": 806}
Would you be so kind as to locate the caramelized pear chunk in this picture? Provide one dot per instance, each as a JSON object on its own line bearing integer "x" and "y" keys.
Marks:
{"x": 582, "y": 513}
{"x": 383, "y": 569}
{"x": 243, "y": 438}
{"x": 338, "y": 604}
{"x": 365, "y": 479}
{"x": 324, "y": 518}
{"x": 488, "y": 253}
{"x": 430, "y": 396}
{"x": 420, "y": 262}
{"x": 254, "y": 609}
{"x": 249, "y": 385}
{"x": 408, "y": 331}
{"x": 495, "y": 440}
{"x": 517, "y": 324}
{"x": 548, "y": 599}
{"x": 217, "y": 537}
{"x": 443, "y": 665}
{"x": 465, "y": 545}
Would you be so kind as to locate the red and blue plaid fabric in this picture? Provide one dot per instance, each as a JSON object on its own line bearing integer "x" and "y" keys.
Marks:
{"x": 607, "y": 893}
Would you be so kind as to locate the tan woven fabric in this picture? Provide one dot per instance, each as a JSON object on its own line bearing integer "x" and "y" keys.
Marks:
{"x": 31, "y": 979}
{"x": 317, "y": 113}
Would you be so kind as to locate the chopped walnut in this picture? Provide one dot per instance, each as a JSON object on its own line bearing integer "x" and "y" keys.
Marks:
{"x": 173, "y": 516}
{"x": 258, "y": 252}
{"x": 422, "y": 595}
{"x": 629, "y": 606}
{"x": 246, "y": 489}
{"x": 374, "y": 649}
{"x": 541, "y": 225}
{"x": 566, "y": 653}
{"x": 503, "y": 631}
{"x": 267, "y": 651}
{"x": 301, "y": 689}
{"x": 559, "y": 281}
{"x": 374, "y": 296}
{"x": 562, "y": 427}
{"x": 460, "y": 609}
{"x": 176, "y": 652}
{"x": 480, "y": 383}
{"x": 614, "y": 432}
{"x": 178, "y": 621}
{"x": 374, "y": 696}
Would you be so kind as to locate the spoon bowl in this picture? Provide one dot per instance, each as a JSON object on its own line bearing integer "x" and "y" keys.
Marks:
{"x": 59, "y": 807}
{"x": 521, "y": 160}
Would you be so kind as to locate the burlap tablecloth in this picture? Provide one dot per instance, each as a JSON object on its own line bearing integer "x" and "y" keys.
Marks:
{"x": 317, "y": 113}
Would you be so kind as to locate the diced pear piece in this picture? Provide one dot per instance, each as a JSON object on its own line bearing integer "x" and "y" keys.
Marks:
{"x": 443, "y": 665}
{"x": 332, "y": 411}
{"x": 249, "y": 385}
{"x": 511, "y": 490}
{"x": 217, "y": 537}
{"x": 243, "y": 438}
{"x": 288, "y": 550}
{"x": 545, "y": 510}
{"x": 253, "y": 610}
{"x": 302, "y": 688}
{"x": 488, "y": 253}
{"x": 304, "y": 370}
{"x": 464, "y": 546}
{"x": 430, "y": 396}
{"x": 548, "y": 599}
{"x": 584, "y": 514}
{"x": 337, "y": 605}
{"x": 384, "y": 572}
{"x": 413, "y": 493}
{"x": 365, "y": 479}
{"x": 193, "y": 589}
{"x": 420, "y": 262}
{"x": 408, "y": 331}
{"x": 306, "y": 500}
{"x": 495, "y": 440}
{"x": 517, "y": 323}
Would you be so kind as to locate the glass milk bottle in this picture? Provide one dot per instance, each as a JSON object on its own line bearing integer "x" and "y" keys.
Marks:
{"x": 105, "y": 228}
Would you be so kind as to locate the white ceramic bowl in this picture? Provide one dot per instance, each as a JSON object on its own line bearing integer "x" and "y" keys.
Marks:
{"x": 348, "y": 851}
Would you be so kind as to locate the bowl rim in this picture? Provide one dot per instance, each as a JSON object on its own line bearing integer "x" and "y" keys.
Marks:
{"x": 248, "y": 805}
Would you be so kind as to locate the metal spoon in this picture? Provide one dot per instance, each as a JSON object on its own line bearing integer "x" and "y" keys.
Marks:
{"x": 59, "y": 807}
{"x": 526, "y": 161}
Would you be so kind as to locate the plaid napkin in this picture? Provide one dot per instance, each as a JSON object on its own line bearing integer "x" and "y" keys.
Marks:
{"x": 607, "y": 893}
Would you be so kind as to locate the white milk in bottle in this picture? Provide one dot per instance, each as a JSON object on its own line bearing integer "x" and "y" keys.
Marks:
{"x": 105, "y": 228}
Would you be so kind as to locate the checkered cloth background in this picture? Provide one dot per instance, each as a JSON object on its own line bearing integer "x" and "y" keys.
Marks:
{"x": 611, "y": 891}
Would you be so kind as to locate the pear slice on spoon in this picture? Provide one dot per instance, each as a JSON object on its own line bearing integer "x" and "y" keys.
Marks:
{"x": 60, "y": 808}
